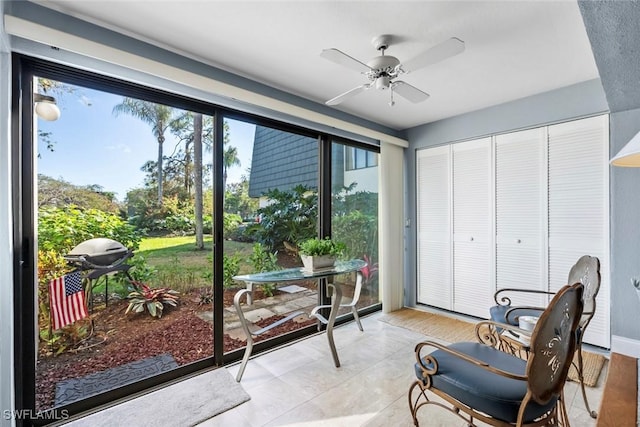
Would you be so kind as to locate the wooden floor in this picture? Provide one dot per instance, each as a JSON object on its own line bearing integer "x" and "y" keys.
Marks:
{"x": 619, "y": 403}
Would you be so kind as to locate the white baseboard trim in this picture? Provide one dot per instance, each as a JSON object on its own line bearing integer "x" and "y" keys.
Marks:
{"x": 625, "y": 346}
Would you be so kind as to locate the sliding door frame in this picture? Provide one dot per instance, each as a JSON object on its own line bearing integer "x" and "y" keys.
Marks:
{"x": 25, "y": 68}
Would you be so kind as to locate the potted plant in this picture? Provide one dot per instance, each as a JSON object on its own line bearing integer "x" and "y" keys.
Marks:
{"x": 319, "y": 254}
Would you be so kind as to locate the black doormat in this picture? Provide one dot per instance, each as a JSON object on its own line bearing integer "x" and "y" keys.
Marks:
{"x": 74, "y": 389}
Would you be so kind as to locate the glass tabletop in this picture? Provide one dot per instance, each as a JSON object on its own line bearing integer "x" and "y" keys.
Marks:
{"x": 299, "y": 273}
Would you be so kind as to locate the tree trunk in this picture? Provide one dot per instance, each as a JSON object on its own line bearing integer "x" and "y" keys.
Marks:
{"x": 197, "y": 179}
{"x": 160, "y": 176}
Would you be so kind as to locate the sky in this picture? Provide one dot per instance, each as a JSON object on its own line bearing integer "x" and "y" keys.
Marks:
{"x": 93, "y": 146}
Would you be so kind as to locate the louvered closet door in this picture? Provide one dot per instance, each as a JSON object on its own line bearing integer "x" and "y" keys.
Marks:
{"x": 521, "y": 214}
{"x": 578, "y": 208}
{"x": 433, "y": 172}
{"x": 472, "y": 213}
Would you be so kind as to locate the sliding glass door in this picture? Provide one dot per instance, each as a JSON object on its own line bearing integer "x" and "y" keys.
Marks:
{"x": 134, "y": 210}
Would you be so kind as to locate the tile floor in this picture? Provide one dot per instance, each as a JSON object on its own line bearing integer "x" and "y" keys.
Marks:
{"x": 298, "y": 385}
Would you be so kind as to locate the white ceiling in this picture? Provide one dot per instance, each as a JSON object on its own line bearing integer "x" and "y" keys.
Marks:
{"x": 513, "y": 49}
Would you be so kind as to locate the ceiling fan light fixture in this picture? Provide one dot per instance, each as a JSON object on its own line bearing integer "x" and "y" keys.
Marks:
{"x": 382, "y": 82}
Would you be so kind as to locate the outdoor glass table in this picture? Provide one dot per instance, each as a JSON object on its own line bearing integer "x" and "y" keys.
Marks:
{"x": 324, "y": 277}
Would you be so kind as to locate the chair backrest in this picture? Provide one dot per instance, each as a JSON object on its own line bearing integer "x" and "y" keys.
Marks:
{"x": 587, "y": 271}
{"x": 553, "y": 344}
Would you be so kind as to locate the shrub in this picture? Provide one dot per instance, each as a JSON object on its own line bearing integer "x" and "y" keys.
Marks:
{"x": 231, "y": 267}
{"x": 291, "y": 216}
{"x": 151, "y": 299}
{"x": 180, "y": 223}
{"x": 230, "y": 222}
{"x": 61, "y": 229}
{"x": 359, "y": 233}
{"x": 263, "y": 260}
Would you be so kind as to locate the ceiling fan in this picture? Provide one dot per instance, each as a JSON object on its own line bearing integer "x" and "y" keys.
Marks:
{"x": 382, "y": 71}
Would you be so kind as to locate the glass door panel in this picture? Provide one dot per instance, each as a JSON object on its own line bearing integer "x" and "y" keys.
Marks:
{"x": 270, "y": 205}
{"x": 354, "y": 184}
{"x": 124, "y": 242}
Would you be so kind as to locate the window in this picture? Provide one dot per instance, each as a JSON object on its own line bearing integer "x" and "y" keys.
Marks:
{"x": 359, "y": 158}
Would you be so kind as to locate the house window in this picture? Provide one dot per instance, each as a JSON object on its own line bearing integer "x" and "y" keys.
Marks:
{"x": 359, "y": 158}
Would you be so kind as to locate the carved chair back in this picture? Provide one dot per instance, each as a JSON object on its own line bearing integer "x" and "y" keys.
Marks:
{"x": 553, "y": 343}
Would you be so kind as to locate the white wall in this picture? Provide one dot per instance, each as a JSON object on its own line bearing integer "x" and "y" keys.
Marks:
{"x": 366, "y": 178}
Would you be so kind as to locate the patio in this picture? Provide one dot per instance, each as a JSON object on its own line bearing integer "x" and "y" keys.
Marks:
{"x": 297, "y": 385}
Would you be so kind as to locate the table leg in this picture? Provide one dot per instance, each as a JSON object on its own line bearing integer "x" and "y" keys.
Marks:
{"x": 335, "y": 306}
{"x": 250, "y": 293}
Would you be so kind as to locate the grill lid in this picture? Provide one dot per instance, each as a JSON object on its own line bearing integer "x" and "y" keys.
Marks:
{"x": 99, "y": 252}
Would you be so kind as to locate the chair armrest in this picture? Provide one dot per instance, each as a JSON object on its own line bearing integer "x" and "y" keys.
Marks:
{"x": 493, "y": 334}
{"x": 511, "y": 314}
{"x": 429, "y": 364}
{"x": 505, "y": 300}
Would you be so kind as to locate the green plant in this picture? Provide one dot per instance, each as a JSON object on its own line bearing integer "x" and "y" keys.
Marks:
{"x": 359, "y": 233}
{"x": 205, "y": 297}
{"x": 290, "y": 216}
{"x": 263, "y": 260}
{"x": 61, "y": 229}
{"x": 326, "y": 246}
{"x": 151, "y": 299}
{"x": 231, "y": 267}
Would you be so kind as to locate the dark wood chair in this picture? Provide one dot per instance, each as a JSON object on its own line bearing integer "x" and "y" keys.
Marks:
{"x": 481, "y": 382}
{"x": 586, "y": 271}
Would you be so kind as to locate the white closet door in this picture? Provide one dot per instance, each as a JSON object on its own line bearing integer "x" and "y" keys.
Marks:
{"x": 521, "y": 214}
{"x": 472, "y": 213}
{"x": 433, "y": 170}
{"x": 578, "y": 208}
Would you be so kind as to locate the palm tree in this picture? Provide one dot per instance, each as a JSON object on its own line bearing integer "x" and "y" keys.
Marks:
{"x": 158, "y": 116}
{"x": 229, "y": 159}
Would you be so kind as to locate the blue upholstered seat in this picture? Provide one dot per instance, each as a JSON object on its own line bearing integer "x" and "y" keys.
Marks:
{"x": 481, "y": 389}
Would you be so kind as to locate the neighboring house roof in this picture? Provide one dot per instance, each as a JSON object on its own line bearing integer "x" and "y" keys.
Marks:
{"x": 281, "y": 160}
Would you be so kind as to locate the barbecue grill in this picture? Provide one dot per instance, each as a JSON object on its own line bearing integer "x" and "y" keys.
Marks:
{"x": 98, "y": 253}
{"x": 101, "y": 256}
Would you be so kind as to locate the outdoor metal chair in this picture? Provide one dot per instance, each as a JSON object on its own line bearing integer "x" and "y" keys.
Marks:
{"x": 481, "y": 382}
{"x": 586, "y": 271}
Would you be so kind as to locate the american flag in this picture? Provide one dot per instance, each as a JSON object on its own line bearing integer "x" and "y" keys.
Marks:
{"x": 66, "y": 298}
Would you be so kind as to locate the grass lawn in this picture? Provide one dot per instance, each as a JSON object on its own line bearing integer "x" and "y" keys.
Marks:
{"x": 181, "y": 267}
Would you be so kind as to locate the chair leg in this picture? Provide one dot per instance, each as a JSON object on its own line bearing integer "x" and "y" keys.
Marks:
{"x": 593, "y": 414}
{"x": 412, "y": 407}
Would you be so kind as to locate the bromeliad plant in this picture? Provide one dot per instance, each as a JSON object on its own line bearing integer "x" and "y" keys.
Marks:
{"x": 151, "y": 299}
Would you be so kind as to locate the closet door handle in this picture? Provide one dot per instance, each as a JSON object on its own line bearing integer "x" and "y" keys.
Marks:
{"x": 518, "y": 241}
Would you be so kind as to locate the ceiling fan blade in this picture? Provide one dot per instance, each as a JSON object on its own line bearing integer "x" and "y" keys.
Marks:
{"x": 356, "y": 90}
{"x": 437, "y": 53}
{"x": 410, "y": 93}
{"x": 341, "y": 58}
